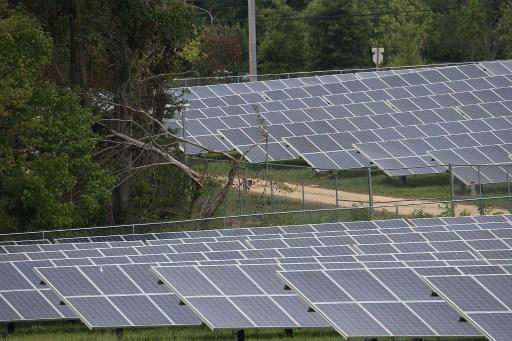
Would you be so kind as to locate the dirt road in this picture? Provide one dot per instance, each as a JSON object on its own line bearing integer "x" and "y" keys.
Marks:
{"x": 327, "y": 197}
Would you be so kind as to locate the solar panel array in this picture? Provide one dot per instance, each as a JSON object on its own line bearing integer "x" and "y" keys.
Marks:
{"x": 228, "y": 278}
{"x": 326, "y": 120}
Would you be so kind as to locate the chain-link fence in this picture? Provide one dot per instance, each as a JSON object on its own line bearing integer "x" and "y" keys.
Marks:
{"x": 198, "y": 81}
{"x": 277, "y": 194}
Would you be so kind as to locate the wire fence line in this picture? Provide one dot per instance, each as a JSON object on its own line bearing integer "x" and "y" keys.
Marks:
{"x": 280, "y": 194}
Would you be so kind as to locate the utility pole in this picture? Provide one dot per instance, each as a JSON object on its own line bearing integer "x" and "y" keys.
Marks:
{"x": 253, "y": 68}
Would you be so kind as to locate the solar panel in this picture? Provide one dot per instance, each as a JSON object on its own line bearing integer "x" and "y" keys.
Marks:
{"x": 107, "y": 297}
{"x": 25, "y": 299}
{"x": 244, "y": 296}
{"x": 375, "y": 303}
{"x": 484, "y": 300}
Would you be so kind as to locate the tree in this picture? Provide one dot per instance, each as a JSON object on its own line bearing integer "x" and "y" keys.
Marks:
{"x": 213, "y": 51}
{"x": 47, "y": 175}
{"x": 504, "y": 29}
{"x": 402, "y": 31}
{"x": 281, "y": 43}
{"x": 471, "y": 29}
{"x": 336, "y": 36}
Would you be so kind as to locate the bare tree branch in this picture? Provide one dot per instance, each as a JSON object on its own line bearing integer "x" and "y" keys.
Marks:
{"x": 187, "y": 170}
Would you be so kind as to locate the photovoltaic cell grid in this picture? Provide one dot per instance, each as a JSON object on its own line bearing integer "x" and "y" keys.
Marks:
{"x": 238, "y": 297}
{"x": 116, "y": 296}
{"x": 485, "y": 300}
{"x": 359, "y": 118}
{"x": 433, "y": 94}
{"x": 401, "y": 150}
{"x": 396, "y": 156}
{"x": 378, "y": 302}
{"x": 24, "y": 298}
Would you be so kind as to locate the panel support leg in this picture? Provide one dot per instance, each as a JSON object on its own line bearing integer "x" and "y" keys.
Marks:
{"x": 370, "y": 339}
{"x": 9, "y": 328}
{"x": 288, "y": 332}
{"x": 117, "y": 333}
{"x": 403, "y": 180}
{"x": 239, "y": 335}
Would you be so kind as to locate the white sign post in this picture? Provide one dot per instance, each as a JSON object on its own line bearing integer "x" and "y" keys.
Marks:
{"x": 378, "y": 55}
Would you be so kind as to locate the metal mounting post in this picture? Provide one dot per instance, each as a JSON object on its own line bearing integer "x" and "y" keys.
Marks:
{"x": 117, "y": 333}
{"x": 403, "y": 180}
{"x": 288, "y": 332}
{"x": 239, "y": 335}
{"x": 9, "y": 328}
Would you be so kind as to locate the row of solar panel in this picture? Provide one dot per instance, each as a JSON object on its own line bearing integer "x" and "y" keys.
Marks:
{"x": 338, "y": 121}
{"x": 473, "y": 98}
{"x": 354, "y": 82}
{"x": 322, "y": 235}
{"x": 424, "y": 224}
{"x": 436, "y": 95}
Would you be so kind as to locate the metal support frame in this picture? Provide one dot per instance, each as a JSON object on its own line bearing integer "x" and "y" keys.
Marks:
{"x": 509, "y": 190}
{"x": 370, "y": 339}
{"x": 239, "y": 335}
{"x": 288, "y": 332}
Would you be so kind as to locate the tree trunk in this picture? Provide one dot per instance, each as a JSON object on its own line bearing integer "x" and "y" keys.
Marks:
{"x": 77, "y": 65}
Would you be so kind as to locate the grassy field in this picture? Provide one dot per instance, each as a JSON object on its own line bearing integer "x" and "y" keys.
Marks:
{"x": 77, "y": 332}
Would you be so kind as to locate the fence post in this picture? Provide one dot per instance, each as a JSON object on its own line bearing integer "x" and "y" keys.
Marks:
{"x": 481, "y": 202}
{"x": 452, "y": 191}
{"x": 336, "y": 186}
{"x": 370, "y": 193}
{"x": 271, "y": 190}
{"x": 507, "y": 170}
{"x": 239, "y": 197}
{"x": 303, "y": 198}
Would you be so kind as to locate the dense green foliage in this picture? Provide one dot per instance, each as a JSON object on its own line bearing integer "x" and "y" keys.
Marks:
{"x": 301, "y": 35}
{"x": 47, "y": 173}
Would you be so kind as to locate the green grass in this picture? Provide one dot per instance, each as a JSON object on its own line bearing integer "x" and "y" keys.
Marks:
{"x": 77, "y": 332}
